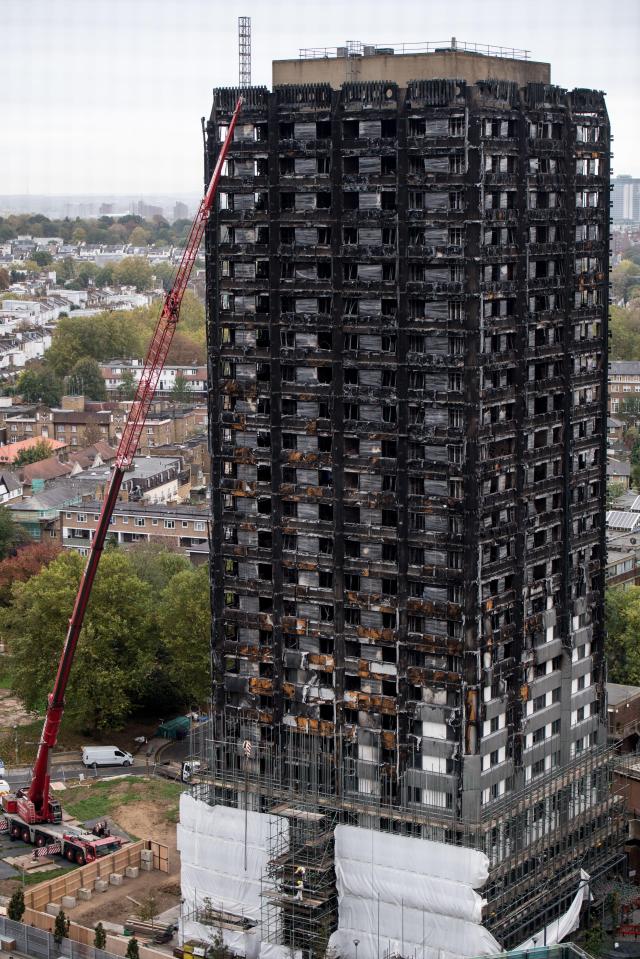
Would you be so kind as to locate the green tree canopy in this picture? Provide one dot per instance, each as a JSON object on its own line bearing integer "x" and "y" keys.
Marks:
{"x": 104, "y": 276}
{"x": 102, "y": 337}
{"x": 623, "y": 625}
{"x": 184, "y": 619}
{"x": 127, "y": 388}
{"x": 180, "y": 391}
{"x": 39, "y": 385}
{"x": 133, "y": 271}
{"x": 33, "y": 454}
{"x": 117, "y": 648}
{"x": 42, "y": 258}
{"x": 10, "y": 533}
{"x": 624, "y": 277}
{"x": 625, "y": 332}
{"x": 86, "y": 379}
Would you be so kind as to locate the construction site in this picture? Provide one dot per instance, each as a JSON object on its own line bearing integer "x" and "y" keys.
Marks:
{"x": 407, "y": 283}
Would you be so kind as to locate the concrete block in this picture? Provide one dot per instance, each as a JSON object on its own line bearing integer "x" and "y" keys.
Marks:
{"x": 53, "y": 908}
{"x": 69, "y": 902}
{"x": 84, "y": 893}
{"x": 146, "y": 855}
{"x": 101, "y": 885}
{"x": 131, "y": 872}
{"x": 116, "y": 878}
{"x": 7, "y": 944}
{"x": 146, "y": 866}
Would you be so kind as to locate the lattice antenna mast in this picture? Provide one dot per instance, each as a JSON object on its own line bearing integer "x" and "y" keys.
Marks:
{"x": 244, "y": 51}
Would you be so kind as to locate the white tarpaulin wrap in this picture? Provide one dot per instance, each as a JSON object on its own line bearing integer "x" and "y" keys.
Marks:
{"x": 410, "y": 895}
{"x": 217, "y": 865}
{"x": 566, "y": 923}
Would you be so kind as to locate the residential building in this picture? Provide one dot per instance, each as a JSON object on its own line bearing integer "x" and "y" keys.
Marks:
{"x": 150, "y": 479}
{"x": 619, "y": 471}
{"x": 163, "y": 426}
{"x": 39, "y": 514}
{"x": 179, "y": 527}
{"x": 195, "y": 377}
{"x": 625, "y": 206}
{"x": 407, "y": 292}
{"x": 10, "y": 487}
{"x": 10, "y": 453}
{"x": 624, "y": 383}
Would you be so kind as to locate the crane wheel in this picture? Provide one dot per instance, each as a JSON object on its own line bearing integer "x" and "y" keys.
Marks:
{"x": 41, "y": 840}
{"x": 70, "y": 854}
{"x": 80, "y": 860}
{"x": 15, "y": 831}
{"x": 26, "y": 835}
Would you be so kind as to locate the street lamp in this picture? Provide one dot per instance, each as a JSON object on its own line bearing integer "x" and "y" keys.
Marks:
{"x": 356, "y": 943}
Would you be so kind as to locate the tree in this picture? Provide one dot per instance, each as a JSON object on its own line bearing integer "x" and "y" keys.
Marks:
{"x": 5, "y": 279}
{"x": 139, "y": 237}
{"x": 104, "y": 276}
{"x": 624, "y": 277}
{"x": 102, "y": 337}
{"x": 184, "y": 619}
{"x": 148, "y": 909}
{"x": 623, "y": 623}
{"x": 614, "y": 490}
{"x": 16, "y": 907}
{"x": 117, "y": 651}
{"x": 10, "y": 535}
{"x": 100, "y": 937}
{"x": 133, "y": 271}
{"x": 60, "y": 928}
{"x": 40, "y": 386}
{"x": 42, "y": 258}
{"x": 86, "y": 379}
{"x": 65, "y": 269}
{"x": 33, "y": 454}
{"x": 133, "y": 951}
{"x": 127, "y": 388}
{"x": 28, "y": 562}
{"x": 180, "y": 391}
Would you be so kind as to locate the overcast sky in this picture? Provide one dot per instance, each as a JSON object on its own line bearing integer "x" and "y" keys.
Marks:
{"x": 105, "y": 96}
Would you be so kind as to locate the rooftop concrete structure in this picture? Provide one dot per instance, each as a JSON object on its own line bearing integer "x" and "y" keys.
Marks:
{"x": 400, "y": 68}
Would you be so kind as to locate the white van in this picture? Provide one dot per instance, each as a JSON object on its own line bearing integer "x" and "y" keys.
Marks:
{"x": 105, "y": 756}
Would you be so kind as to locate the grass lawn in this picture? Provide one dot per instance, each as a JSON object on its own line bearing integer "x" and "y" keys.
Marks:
{"x": 100, "y": 797}
{"x": 33, "y": 878}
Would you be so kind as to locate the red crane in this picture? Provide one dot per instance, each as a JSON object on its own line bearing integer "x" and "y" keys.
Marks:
{"x": 36, "y": 805}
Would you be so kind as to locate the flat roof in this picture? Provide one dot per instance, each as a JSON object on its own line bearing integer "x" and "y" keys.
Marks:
{"x": 402, "y": 63}
{"x": 618, "y": 693}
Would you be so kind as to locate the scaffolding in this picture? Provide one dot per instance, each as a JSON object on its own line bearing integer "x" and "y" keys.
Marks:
{"x": 299, "y": 892}
{"x": 537, "y": 839}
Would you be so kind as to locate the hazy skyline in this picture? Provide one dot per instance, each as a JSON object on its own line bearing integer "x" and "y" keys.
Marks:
{"x": 106, "y": 96}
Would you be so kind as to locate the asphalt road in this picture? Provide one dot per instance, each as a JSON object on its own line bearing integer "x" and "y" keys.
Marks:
{"x": 60, "y": 771}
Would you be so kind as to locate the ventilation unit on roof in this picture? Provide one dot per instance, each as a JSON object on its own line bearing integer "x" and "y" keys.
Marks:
{"x": 341, "y": 52}
{"x": 385, "y": 51}
{"x": 368, "y": 51}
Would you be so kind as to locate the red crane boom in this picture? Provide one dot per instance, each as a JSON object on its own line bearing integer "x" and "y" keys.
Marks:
{"x": 35, "y": 806}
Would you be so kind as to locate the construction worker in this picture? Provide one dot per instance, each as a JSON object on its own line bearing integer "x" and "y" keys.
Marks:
{"x": 299, "y": 874}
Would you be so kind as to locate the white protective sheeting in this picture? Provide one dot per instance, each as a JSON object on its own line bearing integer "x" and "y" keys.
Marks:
{"x": 413, "y": 896}
{"x": 269, "y": 950}
{"x": 565, "y": 924}
{"x": 217, "y": 864}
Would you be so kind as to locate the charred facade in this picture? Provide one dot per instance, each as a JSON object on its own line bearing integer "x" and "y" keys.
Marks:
{"x": 407, "y": 322}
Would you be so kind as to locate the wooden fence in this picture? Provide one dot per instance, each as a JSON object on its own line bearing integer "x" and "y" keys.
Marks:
{"x": 52, "y": 890}
{"x": 38, "y": 897}
{"x": 116, "y": 945}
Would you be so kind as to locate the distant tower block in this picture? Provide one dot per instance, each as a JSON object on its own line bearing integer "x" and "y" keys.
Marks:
{"x": 244, "y": 51}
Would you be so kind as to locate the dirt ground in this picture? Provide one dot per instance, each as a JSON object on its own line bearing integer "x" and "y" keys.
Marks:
{"x": 147, "y": 820}
{"x": 12, "y": 711}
